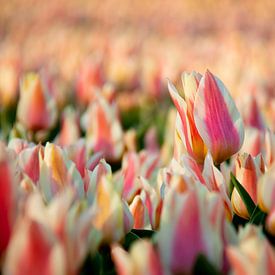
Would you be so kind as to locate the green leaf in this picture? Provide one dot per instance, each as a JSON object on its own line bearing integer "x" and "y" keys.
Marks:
{"x": 136, "y": 234}
{"x": 258, "y": 216}
{"x": 143, "y": 233}
{"x": 203, "y": 266}
{"x": 250, "y": 205}
{"x": 129, "y": 239}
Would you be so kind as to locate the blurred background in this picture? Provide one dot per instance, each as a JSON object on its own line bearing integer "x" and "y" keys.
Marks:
{"x": 136, "y": 45}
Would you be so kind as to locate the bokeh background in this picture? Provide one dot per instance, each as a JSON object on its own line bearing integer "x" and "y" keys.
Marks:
{"x": 139, "y": 44}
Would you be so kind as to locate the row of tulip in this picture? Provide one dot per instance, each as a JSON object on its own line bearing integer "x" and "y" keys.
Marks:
{"x": 205, "y": 198}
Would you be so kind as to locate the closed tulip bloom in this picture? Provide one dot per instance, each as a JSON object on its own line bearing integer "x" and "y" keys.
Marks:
{"x": 112, "y": 216}
{"x": 253, "y": 255}
{"x": 266, "y": 197}
{"x": 140, "y": 213}
{"x": 142, "y": 259}
{"x": 209, "y": 116}
{"x": 90, "y": 79}
{"x": 7, "y": 201}
{"x": 191, "y": 224}
{"x": 34, "y": 249}
{"x": 36, "y": 109}
{"x": 248, "y": 171}
{"x": 103, "y": 129}
{"x": 70, "y": 128}
{"x": 217, "y": 119}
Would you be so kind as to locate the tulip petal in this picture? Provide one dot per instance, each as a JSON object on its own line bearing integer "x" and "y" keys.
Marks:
{"x": 217, "y": 119}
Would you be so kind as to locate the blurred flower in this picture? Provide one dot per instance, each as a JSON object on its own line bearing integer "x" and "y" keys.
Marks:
{"x": 90, "y": 80}
{"x": 28, "y": 160}
{"x": 103, "y": 129}
{"x": 266, "y": 197}
{"x": 248, "y": 171}
{"x": 36, "y": 109}
{"x": 57, "y": 172}
{"x": 209, "y": 117}
{"x": 70, "y": 127}
{"x": 18, "y": 144}
{"x": 142, "y": 259}
{"x": 215, "y": 182}
{"x": 253, "y": 254}
{"x": 34, "y": 250}
{"x": 192, "y": 223}
{"x": 112, "y": 216}
{"x": 9, "y": 75}
{"x": 134, "y": 166}
{"x": 7, "y": 199}
{"x": 69, "y": 220}
{"x": 251, "y": 113}
{"x": 140, "y": 213}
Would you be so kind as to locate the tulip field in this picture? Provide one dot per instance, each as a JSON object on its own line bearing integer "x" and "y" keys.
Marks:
{"x": 137, "y": 137}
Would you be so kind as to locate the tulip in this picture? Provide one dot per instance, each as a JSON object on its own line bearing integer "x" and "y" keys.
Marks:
{"x": 191, "y": 224}
{"x": 251, "y": 114}
{"x": 133, "y": 166}
{"x": 209, "y": 117}
{"x": 36, "y": 109}
{"x": 253, "y": 255}
{"x": 68, "y": 220}
{"x": 89, "y": 81}
{"x": 29, "y": 162}
{"x": 269, "y": 147}
{"x": 57, "y": 172}
{"x": 112, "y": 216}
{"x": 18, "y": 144}
{"x": 140, "y": 213}
{"x": 7, "y": 200}
{"x": 93, "y": 178}
{"x": 142, "y": 259}
{"x": 215, "y": 182}
{"x": 70, "y": 128}
{"x": 9, "y": 74}
{"x": 152, "y": 201}
{"x": 266, "y": 197}
{"x": 253, "y": 142}
{"x": 34, "y": 250}
{"x": 248, "y": 171}
{"x": 104, "y": 131}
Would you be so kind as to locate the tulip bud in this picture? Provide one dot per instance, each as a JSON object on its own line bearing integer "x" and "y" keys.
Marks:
{"x": 36, "y": 110}
{"x": 209, "y": 118}
{"x": 248, "y": 171}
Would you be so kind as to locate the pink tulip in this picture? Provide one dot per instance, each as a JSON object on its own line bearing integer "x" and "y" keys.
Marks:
{"x": 209, "y": 117}
{"x": 112, "y": 217}
{"x": 191, "y": 223}
{"x": 266, "y": 197}
{"x": 7, "y": 200}
{"x": 215, "y": 182}
{"x": 36, "y": 109}
{"x": 133, "y": 166}
{"x": 104, "y": 131}
{"x": 90, "y": 80}
{"x": 142, "y": 259}
{"x": 140, "y": 213}
{"x": 57, "y": 172}
{"x": 34, "y": 250}
{"x": 248, "y": 171}
{"x": 29, "y": 162}
{"x": 9, "y": 76}
{"x": 251, "y": 113}
{"x": 70, "y": 128}
{"x": 70, "y": 224}
{"x": 269, "y": 147}
{"x": 253, "y": 255}
{"x": 18, "y": 144}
